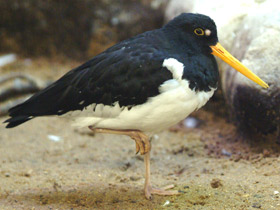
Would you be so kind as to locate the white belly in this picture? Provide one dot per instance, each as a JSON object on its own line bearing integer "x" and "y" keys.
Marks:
{"x": 174, "y": 103}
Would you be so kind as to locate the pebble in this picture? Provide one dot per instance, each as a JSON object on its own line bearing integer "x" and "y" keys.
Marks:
{"x": 191, "y": 122}
{"x": 226, "y": 153}
{"x": 166, "y": 203}
{"x": 54, "y": 138}
{"x": 215, "y": 183}
{"x": 258, "y": 196}
{"x": 256, "y": 205}
{"x": 7, "y": 59}
{"x": 28, "y": 173}
{"x": 190, "y": 154}
{"x": 134, "y": 178}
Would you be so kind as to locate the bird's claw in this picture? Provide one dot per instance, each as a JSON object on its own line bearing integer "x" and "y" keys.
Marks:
{"x": 160, "y": 191}
{"x": 142, "y": 142}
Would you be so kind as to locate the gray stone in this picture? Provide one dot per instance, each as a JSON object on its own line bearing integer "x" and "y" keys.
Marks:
{"x": 257, "y": 44}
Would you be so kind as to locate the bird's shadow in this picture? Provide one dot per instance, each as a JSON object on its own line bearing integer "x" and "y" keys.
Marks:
{"x": 85, "y": 197}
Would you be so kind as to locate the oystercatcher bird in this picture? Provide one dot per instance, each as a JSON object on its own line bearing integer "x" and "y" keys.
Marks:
{"x": 139, "y": 86}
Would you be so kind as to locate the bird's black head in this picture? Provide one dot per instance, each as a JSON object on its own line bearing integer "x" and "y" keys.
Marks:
{"x": 196, "y": 30}
{"x": 196, "y": 34}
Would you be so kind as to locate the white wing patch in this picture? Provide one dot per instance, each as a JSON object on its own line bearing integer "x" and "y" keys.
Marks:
{"x": 175, "y": 67}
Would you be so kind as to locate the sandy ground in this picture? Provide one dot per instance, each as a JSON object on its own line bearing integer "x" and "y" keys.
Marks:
{"x": 211, "y": 166}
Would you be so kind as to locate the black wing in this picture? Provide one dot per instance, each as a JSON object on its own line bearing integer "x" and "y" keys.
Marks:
{"x": 129, "y": 73}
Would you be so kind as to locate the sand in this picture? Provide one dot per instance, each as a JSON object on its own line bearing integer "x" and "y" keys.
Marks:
{"x": 211, "y": 165}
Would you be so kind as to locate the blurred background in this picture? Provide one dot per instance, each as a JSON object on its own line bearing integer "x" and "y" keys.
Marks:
{"x": 75, "y": 29}
{"x": 224, "y": 156}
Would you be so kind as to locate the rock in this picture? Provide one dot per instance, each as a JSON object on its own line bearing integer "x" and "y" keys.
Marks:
{"x": 28, "y": 173}
{"x": 215, "y": 183}
{"x": 7, "y": 59}
{"x": 134, "y": 178}
{"x": 192, "y": 122}
{"x": 250, "y": 30}
{"x": 255, "y": 110}
{"x": 256, "y": 205}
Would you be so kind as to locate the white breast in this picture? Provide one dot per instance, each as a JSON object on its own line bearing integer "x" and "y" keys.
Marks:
{"x": 174, "y": 103}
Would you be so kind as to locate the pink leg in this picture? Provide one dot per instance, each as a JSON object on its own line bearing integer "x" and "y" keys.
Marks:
{"x": 142, "y": 145}
{"x": 148, "y": 189}
{"x": 141, "y": 140}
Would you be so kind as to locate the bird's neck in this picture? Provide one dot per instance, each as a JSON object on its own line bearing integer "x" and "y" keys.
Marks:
{"x": 202, "y": 77}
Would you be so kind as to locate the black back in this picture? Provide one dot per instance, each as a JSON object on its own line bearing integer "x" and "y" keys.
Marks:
{"x": 128, "y": 73}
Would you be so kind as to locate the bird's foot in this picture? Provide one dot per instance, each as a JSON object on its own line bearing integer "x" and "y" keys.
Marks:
{"x": 142, "y": 142}
{"x": 149, "y": 190}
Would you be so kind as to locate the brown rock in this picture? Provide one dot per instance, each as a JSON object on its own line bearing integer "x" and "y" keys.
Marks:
{"x": 215, "y": 183}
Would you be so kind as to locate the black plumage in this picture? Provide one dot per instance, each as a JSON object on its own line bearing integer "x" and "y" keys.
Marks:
{"x": 129, "y": 72}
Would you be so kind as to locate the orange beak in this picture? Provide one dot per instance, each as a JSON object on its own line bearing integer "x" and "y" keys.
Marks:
{"x": 221, "y": 52}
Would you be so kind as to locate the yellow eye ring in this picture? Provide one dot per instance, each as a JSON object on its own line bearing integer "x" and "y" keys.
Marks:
{"x": 199, "y": 31}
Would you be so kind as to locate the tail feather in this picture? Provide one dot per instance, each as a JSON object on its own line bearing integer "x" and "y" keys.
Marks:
{"x": 64, "y": 95}
{"x": 15, "y": 121}
{"x": 57, "y": 99}
{"x": 43, "y": 103}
